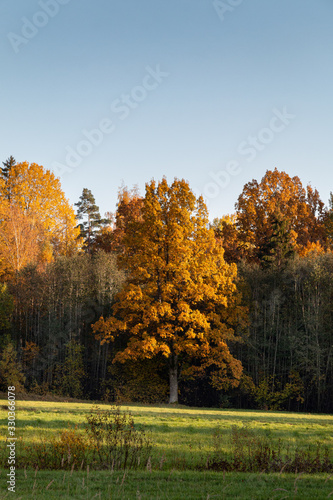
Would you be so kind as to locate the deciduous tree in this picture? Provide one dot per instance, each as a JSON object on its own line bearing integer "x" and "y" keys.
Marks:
{"x": 35, "y": 217}
{"x": 177, "y": 288}
{"x": 278, "y": 193}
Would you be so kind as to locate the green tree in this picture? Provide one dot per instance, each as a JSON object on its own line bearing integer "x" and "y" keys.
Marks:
{"x": 7, "y": 165}
{"x": 10, "y": 370}
{"x": 178, "y": 286}
{"x": 6, "y": 307}
{"x": 6, "y": 310}
{"x": 88, "y": 213}
{"x": 278, "y": 247}
{"x": 70, "y": 374}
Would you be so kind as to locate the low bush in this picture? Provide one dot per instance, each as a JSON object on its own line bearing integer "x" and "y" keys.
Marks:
{"x": 115, "y": 440}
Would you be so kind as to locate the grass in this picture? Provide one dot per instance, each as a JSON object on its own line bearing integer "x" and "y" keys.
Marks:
{"x": 163, "y": 485}
{"x": 182, "y": 439}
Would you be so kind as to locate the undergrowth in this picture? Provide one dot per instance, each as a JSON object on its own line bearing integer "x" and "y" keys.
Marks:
{"x": 110, "y": 440}
{"x": 254, "y": 452}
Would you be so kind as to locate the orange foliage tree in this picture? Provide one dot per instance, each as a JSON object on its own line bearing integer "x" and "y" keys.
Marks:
{"x": 110, "y": 238}
{"x": 228, "y": 235}
{"x": 178, "y": 287}
{"x": 36, "y": 220}
{"x": 279, "y": 195}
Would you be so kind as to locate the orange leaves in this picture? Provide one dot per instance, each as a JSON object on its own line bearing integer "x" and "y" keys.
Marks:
{"x": 104, "y": 329}
{"x": 36, "y": 220}
{"x": 178, "y": 283}
{"x": 312, "y": 248}
{"x": 282, "y": 196}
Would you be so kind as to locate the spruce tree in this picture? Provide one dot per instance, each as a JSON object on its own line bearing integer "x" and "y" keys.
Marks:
{"x": 7, "y": 165}
{"x": 278, "y": 247}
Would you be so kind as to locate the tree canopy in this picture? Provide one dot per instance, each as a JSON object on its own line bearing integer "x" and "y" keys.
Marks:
{"x": 279, "y": 195}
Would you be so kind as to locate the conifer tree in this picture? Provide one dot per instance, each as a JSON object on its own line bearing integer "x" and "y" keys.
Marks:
{"x": 88, "y": 213}
{"x": 279, "y": 246}
{"x": 7, "y": 165}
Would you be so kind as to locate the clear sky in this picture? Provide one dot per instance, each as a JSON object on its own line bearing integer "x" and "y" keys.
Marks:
{"x": 216, "y": 92}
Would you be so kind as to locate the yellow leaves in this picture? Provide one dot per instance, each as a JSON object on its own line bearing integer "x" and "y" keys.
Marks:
{"x": 19, "y": 238}
{"x": 36, "y": 220}
{"x": 104, "y": 330}
{"x": 311, "y": 249}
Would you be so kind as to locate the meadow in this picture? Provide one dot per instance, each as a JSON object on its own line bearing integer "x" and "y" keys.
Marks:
{"x": 181, "y": 462}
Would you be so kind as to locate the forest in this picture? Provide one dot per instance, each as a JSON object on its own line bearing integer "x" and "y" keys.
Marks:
{"x": 156, "y": 303}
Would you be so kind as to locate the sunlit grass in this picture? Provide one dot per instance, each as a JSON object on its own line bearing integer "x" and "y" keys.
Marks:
{"x": 182, "y": 437}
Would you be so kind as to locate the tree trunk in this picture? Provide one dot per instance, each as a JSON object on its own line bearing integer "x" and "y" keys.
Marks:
{"x": 173, "y": 377}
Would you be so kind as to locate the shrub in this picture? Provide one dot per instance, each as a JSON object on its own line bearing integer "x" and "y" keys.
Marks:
{"x": 60, "y": 452}
{"x": 115, "y": 440}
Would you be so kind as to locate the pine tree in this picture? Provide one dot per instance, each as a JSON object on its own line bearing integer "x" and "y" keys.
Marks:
{"x": 88, "y": 212}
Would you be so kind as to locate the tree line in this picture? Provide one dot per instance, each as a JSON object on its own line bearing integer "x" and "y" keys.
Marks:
{"x": 155, "y": 303}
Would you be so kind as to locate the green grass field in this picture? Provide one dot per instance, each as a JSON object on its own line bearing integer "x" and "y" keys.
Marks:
{"x": 182, "y": 440}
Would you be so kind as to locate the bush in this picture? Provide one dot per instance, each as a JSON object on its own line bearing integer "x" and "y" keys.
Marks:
{"x": 61, "y": 452}
{"x": 115, "y": 440}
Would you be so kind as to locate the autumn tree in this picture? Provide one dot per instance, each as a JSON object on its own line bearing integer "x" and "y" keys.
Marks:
{"x": 110, "y": 237}
{"x": 177, "y": 287}
{"x": 328, "y": 222}
{"x": 129, "y": 208}
{"x": 19, "y": 238}
{"x": 278, "y": 193}
{"x": 228, "y": 235}
{"x": 35, "y": 217}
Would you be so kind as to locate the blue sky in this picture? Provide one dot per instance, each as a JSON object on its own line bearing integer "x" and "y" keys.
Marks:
{"x": 111, "y": 91}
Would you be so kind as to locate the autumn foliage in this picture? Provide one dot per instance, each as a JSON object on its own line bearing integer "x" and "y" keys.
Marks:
{"x": 154, "y": 301}
{"x": 177, "y": 287}
{"x": 279, "y": 195}
{"x": 37, "y": 222}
